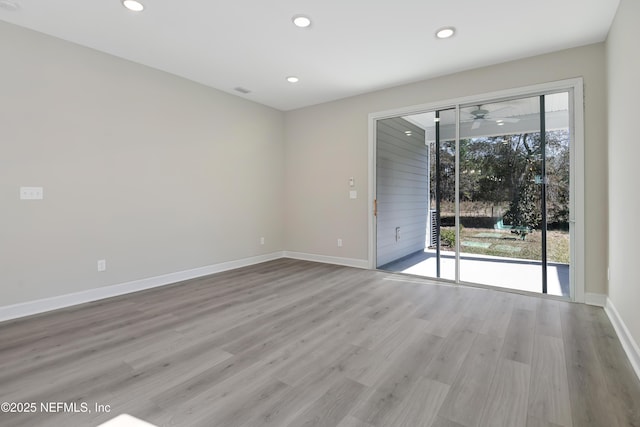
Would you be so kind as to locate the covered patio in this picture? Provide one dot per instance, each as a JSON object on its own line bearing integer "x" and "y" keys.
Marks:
{"x": 512, "y": 273}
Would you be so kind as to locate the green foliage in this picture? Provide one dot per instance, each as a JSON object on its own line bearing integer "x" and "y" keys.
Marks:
{"x": 524, "y": 209}
{"x": 448, "y": 236}
{"x": 502, "y": 170}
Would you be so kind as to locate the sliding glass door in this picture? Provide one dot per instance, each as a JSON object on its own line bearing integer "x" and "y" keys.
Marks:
{"x": 501, "y": 208}
{"x": 491, "y": 193}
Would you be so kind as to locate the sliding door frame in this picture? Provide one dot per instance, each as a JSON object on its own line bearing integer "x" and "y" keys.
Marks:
{"x": 577, "y": 176}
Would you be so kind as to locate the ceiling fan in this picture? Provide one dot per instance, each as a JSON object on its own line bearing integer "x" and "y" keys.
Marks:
{"x": 479, "y": 115}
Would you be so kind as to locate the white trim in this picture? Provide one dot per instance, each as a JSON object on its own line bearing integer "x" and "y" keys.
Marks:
{"x": 348, "y": 262}
{"x": 532, "y": 90}
{"x": 47, "y": 304}
{"x": 457, "y": 195}
{"x": 577, "y": 197}
{"x": 598, "y": 300}
{"x": 576, "y": 85}
{"x": 626, "y": 339}
{"x": 371, "y": 219}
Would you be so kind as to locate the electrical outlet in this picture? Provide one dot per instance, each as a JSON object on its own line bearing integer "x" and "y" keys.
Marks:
{"x": 262, "y": 240}
{"x": 102, "y": 264}
{"x": 339, "y": 243}
{"x": 397, "y": 233}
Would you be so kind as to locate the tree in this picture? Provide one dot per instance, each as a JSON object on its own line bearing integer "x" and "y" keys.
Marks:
{"x": 524, "y": 207}
{"x": 506, "y": 170}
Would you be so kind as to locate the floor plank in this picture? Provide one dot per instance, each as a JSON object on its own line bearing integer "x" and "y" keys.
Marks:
{"x": 332, "y": 407}
{"x": 549, "y": 392}
{"x": 591, "y": 403}
{"x": 468, "y": 394}
{"x": 506, "y": 404}
{"x": 421, "y": 409}
{"x": 518, "y": 342}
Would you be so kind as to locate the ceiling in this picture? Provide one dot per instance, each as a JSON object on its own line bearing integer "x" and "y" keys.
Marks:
{"x": 352, "y": 47}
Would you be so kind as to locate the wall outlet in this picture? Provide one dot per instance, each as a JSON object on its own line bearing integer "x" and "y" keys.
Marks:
{"x": 102, "y": 264}
{"x": 339, "y": 243}
{"x": 397, "y": 233}
{"x": 262, "y": 240}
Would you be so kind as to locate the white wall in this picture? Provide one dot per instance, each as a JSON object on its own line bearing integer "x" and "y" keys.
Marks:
{"x": 149, "y": 171}
{"x": 325, "y": 144}
{"x": 623, "y": 67}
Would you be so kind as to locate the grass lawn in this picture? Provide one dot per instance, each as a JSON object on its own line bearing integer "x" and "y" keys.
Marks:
{"x": 487, "y": 241}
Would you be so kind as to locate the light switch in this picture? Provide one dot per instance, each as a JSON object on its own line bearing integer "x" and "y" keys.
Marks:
{"x": 353, "y": 194}
{"x": 31, "y": 193}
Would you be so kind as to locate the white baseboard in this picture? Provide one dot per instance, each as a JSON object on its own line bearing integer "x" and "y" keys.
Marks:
{"x": 598, "y": 300}
{"x": 348, "y": 262}
{"x": 628, "y": 343}
{"x": 47, "y": 304}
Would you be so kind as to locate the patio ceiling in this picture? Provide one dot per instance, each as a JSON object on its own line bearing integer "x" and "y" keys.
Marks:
{"x": 502, "y": 118}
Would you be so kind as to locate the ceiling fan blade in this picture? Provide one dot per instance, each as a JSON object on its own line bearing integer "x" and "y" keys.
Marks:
{"x": 504, "y": 119}
{"x": 464, "y": 115}
{"x": 476, "y": 124}
{"x": 502, "y": 111}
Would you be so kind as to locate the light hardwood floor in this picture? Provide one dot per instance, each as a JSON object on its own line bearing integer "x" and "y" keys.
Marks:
{"x": 295, "y": 343}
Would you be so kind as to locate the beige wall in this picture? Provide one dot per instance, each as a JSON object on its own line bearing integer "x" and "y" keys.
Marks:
{"x": 623, "y": 67}
{"x": 326, "y": 144}
{"x": 149, "y": 171}
{"x": 157, "y": 174}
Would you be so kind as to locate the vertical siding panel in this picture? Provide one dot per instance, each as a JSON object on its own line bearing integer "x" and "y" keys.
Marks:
{"x": 402, "y": 189}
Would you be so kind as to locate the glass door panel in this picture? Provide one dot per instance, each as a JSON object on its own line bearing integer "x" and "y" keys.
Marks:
{"x": 557, "y": 166}
{"x": 415, "y": 194}
{"x": 500, "y": 194}
{"x": 402, "y": 193}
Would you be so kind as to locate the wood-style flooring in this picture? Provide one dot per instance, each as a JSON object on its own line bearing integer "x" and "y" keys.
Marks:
{"x": 295, "y": 343}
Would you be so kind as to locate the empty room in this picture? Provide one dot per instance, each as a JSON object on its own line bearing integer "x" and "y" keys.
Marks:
{"x": 341, "y": 214}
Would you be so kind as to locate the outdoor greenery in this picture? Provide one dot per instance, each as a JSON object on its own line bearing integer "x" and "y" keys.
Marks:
{"x": 506, "y": 172}
{"x": 448, "y": 235}
{"x": 504, "y": 244}
{"x": 501, "y": 181}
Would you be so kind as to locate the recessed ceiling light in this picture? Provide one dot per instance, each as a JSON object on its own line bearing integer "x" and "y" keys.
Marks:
{"x": 445, "y": 33}
{"x": 293, "y": 79}
{"x": 133, "y": 5}
{"x": 301, "y": 21}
